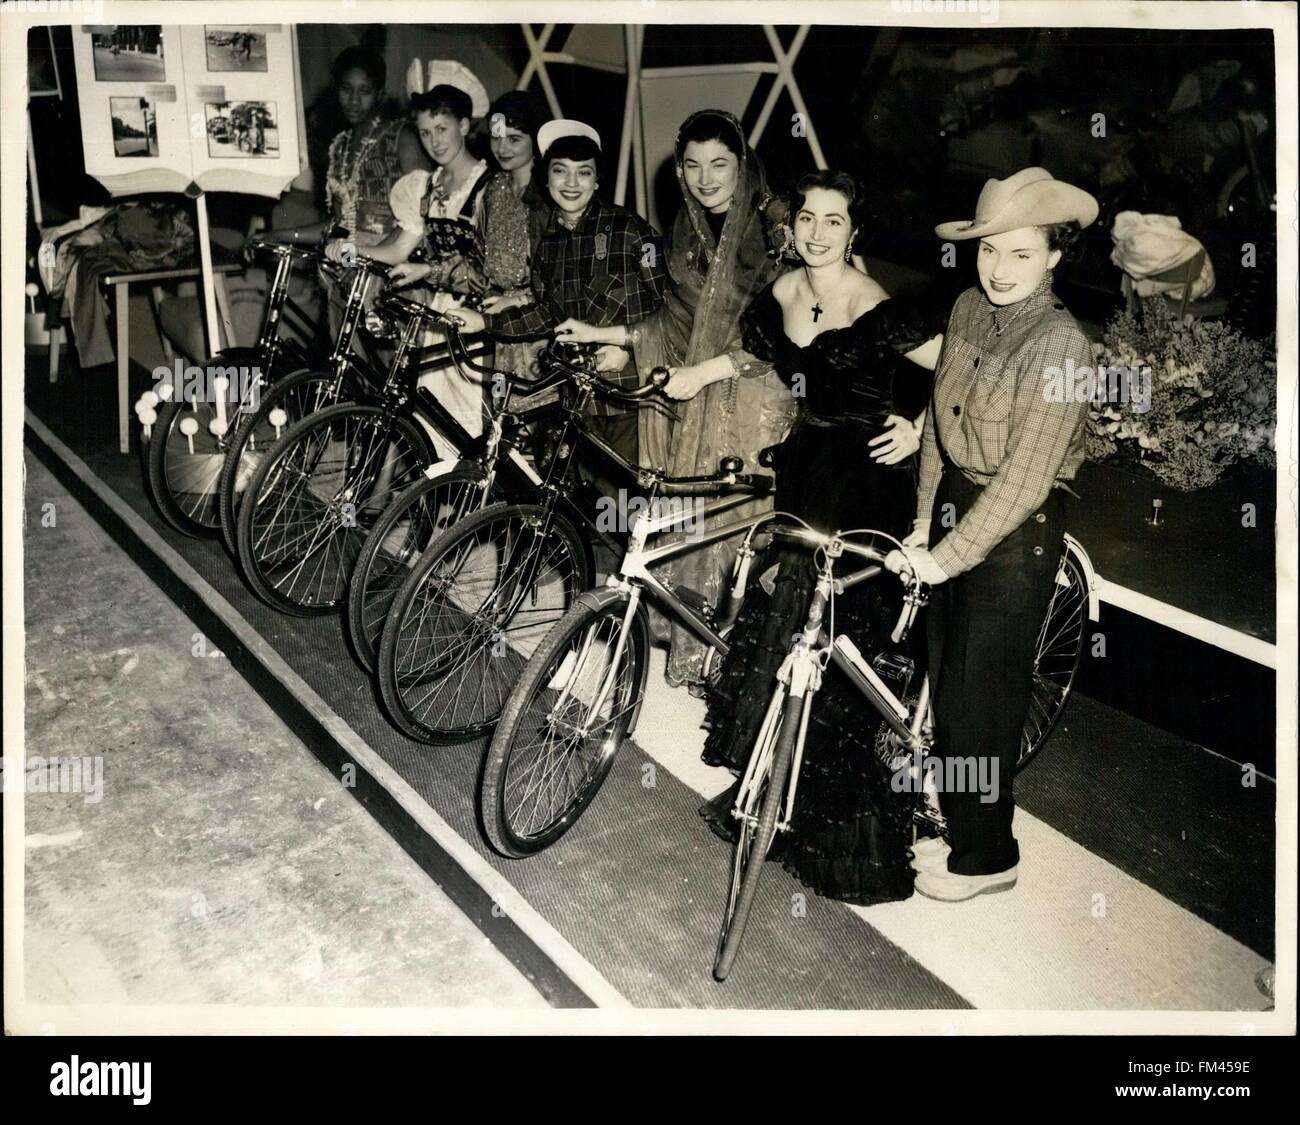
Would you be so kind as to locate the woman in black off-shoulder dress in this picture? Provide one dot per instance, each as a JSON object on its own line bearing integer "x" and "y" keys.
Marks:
{"x": 849, "y": 835}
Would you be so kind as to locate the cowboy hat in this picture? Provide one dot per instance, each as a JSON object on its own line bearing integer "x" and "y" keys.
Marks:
{"x": 1030, "y": 198}
{"x": 421, "y": 78}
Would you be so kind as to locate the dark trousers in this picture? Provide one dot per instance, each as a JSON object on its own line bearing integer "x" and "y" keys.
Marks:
{"x": 619, "y": 431}
{"x": 981, "y": 632}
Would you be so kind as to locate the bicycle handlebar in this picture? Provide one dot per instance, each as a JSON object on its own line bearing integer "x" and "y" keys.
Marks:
{"x": 913, "y": 599}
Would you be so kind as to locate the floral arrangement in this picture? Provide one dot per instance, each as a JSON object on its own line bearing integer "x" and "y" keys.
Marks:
{"x": 1212, "y": 400}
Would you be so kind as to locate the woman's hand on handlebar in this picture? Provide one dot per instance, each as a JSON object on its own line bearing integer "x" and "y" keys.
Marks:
{"x": 503, "y": 301}
{"x": 919, "y": 536}
{"x": 611, "y": 358}
{"x": 408, "y": 273}
{"x": 685, "y": 382}
{"x": 918, "y": 562}
{"x": 340, "y": 250}
{"x": 469, "y": 320}
{"x": 576, "y": 332}
{"x": 897, "y": 442}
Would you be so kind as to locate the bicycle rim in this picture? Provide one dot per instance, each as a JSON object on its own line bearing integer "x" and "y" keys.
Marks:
{"x": 185, "y": 467}
{"x": 1057, "y": 654}
{"x": 570, "y": 729}
{"x": 298, "y": 395}
{"x": 481, "y": 602}
{"x": 395, "y": 545}
{"x": 317, "y": 497}
{"x": 755, "y": 838}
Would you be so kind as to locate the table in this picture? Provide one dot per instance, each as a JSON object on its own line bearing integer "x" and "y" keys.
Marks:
{"x": 121, "y": 285}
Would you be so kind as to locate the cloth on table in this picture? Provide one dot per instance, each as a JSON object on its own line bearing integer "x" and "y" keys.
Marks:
{"x": 127, "y": 238}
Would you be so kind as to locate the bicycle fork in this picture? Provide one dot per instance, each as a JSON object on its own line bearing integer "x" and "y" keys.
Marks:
{"x": 572, "y": 673}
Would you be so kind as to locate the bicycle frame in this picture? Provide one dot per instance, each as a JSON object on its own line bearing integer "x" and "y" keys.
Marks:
{"x": 802, "y": 671}
{"x": 634, "y": 578}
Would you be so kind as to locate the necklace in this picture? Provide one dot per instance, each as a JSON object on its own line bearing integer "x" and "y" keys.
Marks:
{"x": 817, "y": 310}
{"x": 351, "y": 162}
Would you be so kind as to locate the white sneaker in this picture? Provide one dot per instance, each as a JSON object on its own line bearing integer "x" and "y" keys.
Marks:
{"x": 930, "y": 853}
{"x": 947, "y": 886}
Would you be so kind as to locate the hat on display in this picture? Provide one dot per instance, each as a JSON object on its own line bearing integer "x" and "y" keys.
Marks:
{"x": 554, "y": 131}
{"x": 1030, "y": 198}
{"x": 421, "y": 77}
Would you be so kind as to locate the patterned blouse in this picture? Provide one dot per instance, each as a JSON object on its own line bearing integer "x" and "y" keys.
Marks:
{"x": 992, "y": 419}
{"x": 361, "y": 176}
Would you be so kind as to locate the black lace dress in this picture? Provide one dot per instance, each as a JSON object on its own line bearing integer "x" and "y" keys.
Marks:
{"x": 849, "y": 833}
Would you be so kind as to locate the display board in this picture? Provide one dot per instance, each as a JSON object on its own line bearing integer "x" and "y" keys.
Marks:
{"x": 164, "y": 107}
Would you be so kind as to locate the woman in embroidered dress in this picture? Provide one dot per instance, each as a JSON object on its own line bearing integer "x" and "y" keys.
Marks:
{"x": 511, "y": 217}
{"x": 435, "y": 213}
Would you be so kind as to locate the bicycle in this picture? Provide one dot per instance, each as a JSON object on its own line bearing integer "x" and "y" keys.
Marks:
{"x": 193, "y": 425}
{"x": 322, "y": 485}
{"x": 765, "y": 799}
{"x": 561, "y": 710}
{"x": 463, "y": 622}
{"x": 491, "y": 468}
{"x": 353, "y": 366}
{"x": 580, "y": 694}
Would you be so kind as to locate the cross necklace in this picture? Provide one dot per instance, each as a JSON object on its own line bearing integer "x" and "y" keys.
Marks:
{"x": 817, "y": 310}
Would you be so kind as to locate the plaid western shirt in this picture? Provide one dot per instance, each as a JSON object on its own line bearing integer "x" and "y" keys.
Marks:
{"x": 609, "y": 269}
{"x": 992, "y": 417}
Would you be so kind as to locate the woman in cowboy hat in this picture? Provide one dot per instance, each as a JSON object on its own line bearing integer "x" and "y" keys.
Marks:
{"x": 996, "y": 459}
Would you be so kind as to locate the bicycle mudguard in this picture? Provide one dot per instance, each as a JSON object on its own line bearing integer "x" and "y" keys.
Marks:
{"x": 1074, "y": 547}
{"x": 603, "y": 598}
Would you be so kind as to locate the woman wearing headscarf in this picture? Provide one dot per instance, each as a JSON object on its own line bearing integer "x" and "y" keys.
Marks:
{"x": 732, "y": 404}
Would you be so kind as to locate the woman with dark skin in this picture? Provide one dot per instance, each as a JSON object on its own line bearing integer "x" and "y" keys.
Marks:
{"x": 366, "y": 158}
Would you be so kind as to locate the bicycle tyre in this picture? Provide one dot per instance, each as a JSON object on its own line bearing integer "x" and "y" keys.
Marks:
{"x": 369, "y": 596}
{"x": 737, "y": 915}
{"x": 299, "y": 394}
{"x": 373, "y": 425}
{"x": 1057, "y": 656}
{"x": 182, "y": 471}
{"x": 400, "y": 645}
{"x": 504, "y": 833}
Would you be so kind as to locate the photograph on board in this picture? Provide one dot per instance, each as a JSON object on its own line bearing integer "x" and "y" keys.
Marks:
{"x": 235, "y": 48}
{"x": 242, "y": 129}
{"x": 128, "y": 52}
{"x": 135, "y": 127}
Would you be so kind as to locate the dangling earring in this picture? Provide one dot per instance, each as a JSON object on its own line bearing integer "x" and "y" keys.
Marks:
{"x": 848, "y": 252}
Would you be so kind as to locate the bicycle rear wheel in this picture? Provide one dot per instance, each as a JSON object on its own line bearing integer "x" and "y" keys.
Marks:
{"x": 283, "y": 405}
{"x": 563, "y": 725}
{"x": 401, "y": 535}
{"x": 312, "y": 501}
{"x": 1057, "y": 655}
{"x": 464, "y": 624}
{"x": 757, "y": 831}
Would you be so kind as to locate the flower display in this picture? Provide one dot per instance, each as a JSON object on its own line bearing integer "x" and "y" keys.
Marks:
{"x": 1213, "y": 397}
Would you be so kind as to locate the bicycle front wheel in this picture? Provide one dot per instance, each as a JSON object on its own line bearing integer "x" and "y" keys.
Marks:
{"x": 1057, "y": 655}
{"x": 463, "y": 626}
{"x": 563, "y": 725}
{"x": 312, "y": 501}
{"x": 401, "y": 535}
{"x": 758, "y": 830}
